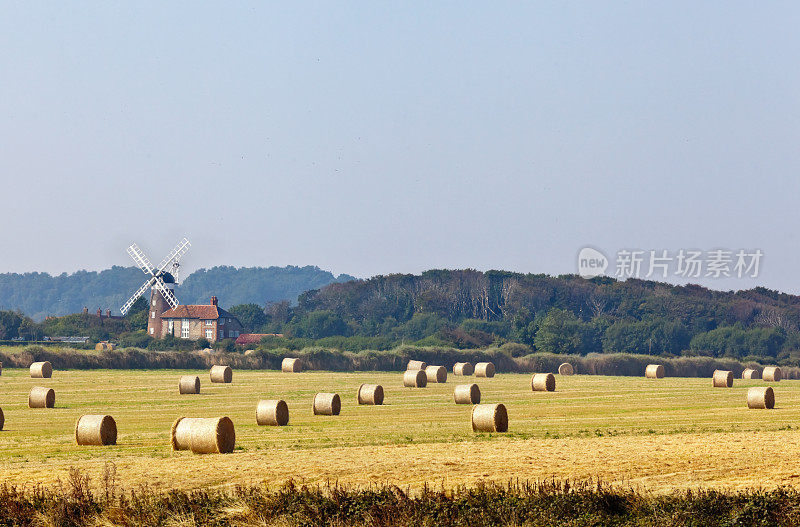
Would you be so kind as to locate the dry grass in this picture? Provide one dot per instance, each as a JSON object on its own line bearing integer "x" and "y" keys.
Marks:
{"x": 624, "y": 430}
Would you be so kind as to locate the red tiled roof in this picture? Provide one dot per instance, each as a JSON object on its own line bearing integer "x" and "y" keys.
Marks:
{"x": 254, "y": 338}
{"x": 209, "y": 312}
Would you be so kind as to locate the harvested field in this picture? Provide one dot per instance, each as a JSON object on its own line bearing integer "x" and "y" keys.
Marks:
{"x": 625, "y": 430}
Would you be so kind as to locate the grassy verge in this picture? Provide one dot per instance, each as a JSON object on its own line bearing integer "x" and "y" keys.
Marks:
{"x": 517, "y": 503}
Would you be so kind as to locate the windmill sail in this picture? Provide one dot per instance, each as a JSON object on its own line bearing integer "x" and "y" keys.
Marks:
{"x": 156, "y": 280}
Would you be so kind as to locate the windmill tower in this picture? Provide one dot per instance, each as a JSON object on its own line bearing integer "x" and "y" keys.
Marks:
{"x": 161, "y": 284}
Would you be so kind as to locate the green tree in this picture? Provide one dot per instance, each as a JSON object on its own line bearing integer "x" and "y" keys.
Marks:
{"x": 421, "y": 325}
{"x": 562, "y": 332}
{"x": 137, "y": 314}
{"x": 10, "y": 323}
{"x": 320, "y": 324}
{"x": 736, "y": 342}
{"x": 646, "y": 337}
{"x": 251, "y": 316}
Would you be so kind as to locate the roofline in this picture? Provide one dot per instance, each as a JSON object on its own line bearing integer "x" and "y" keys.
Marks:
{"x": 221, "y": 313}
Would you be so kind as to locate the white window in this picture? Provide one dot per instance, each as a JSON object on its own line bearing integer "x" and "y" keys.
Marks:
{"x": 185, "y": 329}
{"x": 209, "y": 322}
{"x": 171, "y": 326}
{"x": 152, "y": 314}
{"x": 151, "y": 331}
{"x": 154, "y": 302}
{"x": 209, "y": 334}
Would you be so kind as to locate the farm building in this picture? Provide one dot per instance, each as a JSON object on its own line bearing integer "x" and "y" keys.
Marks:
{"x": 193, "y": 321}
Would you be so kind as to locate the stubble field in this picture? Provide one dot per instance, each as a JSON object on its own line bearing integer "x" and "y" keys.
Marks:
{"x": 658, "y": 435}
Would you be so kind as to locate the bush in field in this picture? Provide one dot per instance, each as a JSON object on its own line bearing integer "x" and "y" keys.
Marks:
{"x": 137, "y": 339}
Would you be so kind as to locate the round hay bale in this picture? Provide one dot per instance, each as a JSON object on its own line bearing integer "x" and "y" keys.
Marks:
{"x": 99, "y": 430}
{"x": 415, "y": 379}
{"x": 436, "y": 374}
{"x": 566, "y": 369}
{"x": 467, "y": 394}
{"x": 489, "y": 418}
{"x": 274, "y": 412}
{"x": 751, "y": 373}
{"x": 761, "y": 397}
{"x": 463, "y": 368}
{"x": 654, "y": 371}
{"x": 772, "y": 374}
{"x": 189, "y": 384}
{"x": 203, "y": 435}
{"x": 221, "y": 374}
{"x": 41, "y": 397}
{"x": 370, "y": 394}
{"x": 41, "y": 370}
{"x": 484, "y": 369}
{"x": 181, "y": 432}
{"x": 291, "y": 365}
{"x": 416, "y": 365}
{"x": 543, "y": 382}
{"x": 722, "y": 379}
{"x": 327, "y": 404}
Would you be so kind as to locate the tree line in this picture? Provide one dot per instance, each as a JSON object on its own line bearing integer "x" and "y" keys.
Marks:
{"x": 565, "y": 315}
{"x": 467, "y": 309}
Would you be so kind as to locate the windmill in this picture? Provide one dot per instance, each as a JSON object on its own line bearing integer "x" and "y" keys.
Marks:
{"x": 161, "y": 283}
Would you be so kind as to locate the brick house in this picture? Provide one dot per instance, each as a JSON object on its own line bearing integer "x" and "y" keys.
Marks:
{"x": 196, "y": 321}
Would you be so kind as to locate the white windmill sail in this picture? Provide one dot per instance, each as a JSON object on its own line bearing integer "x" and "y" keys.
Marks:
{"x": 156, "y": 279}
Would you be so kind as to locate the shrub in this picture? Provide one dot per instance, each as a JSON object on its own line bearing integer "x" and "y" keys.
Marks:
{"x": 483, "y": 505}
{"x": 505, "y": 359}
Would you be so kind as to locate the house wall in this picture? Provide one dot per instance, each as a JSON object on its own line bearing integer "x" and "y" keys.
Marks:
{"x": 224, "y": 328}
{"x": 197, "y": 328}
{"x": 229, "y": 325}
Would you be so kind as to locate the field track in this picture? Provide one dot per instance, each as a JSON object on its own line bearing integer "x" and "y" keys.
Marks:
{"x": 657, "y": 434}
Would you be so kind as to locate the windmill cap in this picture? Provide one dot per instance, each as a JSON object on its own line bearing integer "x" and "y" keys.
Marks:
{"x": 167, "y": 277}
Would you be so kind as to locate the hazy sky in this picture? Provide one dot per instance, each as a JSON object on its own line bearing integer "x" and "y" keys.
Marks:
{"x": 371, "y": 138}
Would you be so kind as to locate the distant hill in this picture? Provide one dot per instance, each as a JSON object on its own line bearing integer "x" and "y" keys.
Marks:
{"x": 259, "y": 285}
{"x": 40, "y": 294}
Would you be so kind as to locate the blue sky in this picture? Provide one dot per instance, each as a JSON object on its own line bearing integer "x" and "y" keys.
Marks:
{"x": 372, "y": 138}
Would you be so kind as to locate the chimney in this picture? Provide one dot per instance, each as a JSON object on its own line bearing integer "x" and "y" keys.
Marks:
{"x": 213, "y": 301}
